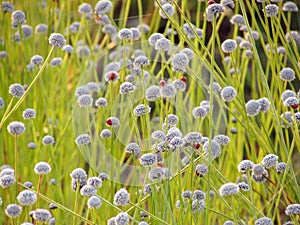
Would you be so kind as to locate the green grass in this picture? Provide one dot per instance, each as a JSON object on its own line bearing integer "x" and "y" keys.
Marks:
{"x": 51, "y": 92}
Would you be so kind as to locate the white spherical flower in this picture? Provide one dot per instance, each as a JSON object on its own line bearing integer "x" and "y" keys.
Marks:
{"x": 94, "y": 202}
{"x": 229, "y": 189}
{"x": 26, "y": 198}
{"x": 229, "y": 45}
{"x": 271, "y": 10}
{"x": 57, "y": 40}
{"x": 42, "y": 168}
{"x": 228, "y": 93}
{"x": 122, "y": 197}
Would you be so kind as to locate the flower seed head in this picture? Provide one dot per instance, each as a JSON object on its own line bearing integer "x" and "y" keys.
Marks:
{"x": 125, "y": 34}
{"x": 270, "y": 161}
{"x": 187, "y": 194}
{"x": 228, "y": 93}
{"x": 238, "y": 19}
{"x": 13, "y": 210}
{"x": 7, "y": 6}
{"x": 198, "y": 206}
{"x": 37, "y": 60}
{"x": 264, "y": 104}
{"x": 27, "y": 31}
{"x": 152, "y": 93}
{"x": 7, "y": 180}
{"x": 289, "y": 7}
{"x": 193, "y": 138}
{"x": 229, "y": 189}
{"x": 85, "y": 101}
{"x": 215, "y": 150}
{"x": 41, "y": 29}
{"x": 148, "y": 159}
{"x": 222, "y": 139}
{"x": 229, "y": 45}
{"x": 78, "y": 174}
{"x": 228, "y": 222}
{"x": 271, "y": 10}
{"x": 179, "y": 62}
{"x": 57, "y": 61}
{"x": 180, "y": 84}
{"x": 103, "y": 7}
{"x": 293, "y": 209}
{"x": 122, "y": 219}
{"x": 41, "y": 215}
{"x": 201, "y": 170}
{"x": 286, "y": 94}
{"x": 29, "y": 114}
{"x": 83, "y": 139}
{"x": 245, "y": 165}
{"x": 16, "y": 128}
{"x": 156, "y": 173}
{"x": 48, "y": 140}
{"x": 141, "y": 110}
{"x": 163, "y": 44}
{"x": 243, "y": 186}
{"x": 291, "y": 101}
{"x": 200, "y": 112}
{"x": 168, "y": 91}
{"x": 84, "y": 8}
{"x": 287, "y": 74}
{"x": 105, "y": 133}
{"x": 141, "y": 61}
{"x": 263, "y": 221}
{"x": 133, "y": 148}
{"x": 280, "y": 167}
{"x": 101, "y": 102}
{"x": 252, "y": 108}
{"x": 88, "y": 191}
{"x": 214, "y": 9}
{"x": 16, "y": 90}
{"x": 18, "y": 16}
{"x": 122, "y": 197}
{"x": 158, "y": 135}
{"x": 94, "y": 202}
{"x": 168, "y": 9}
{"x": 199, "y": 195}
{"x": 42, "y": 168}
{"x": 154, "y": 37}
{"x": 68, "y": 49}
{"x": 26, "y": 198}
{"x": 57, "y": 40}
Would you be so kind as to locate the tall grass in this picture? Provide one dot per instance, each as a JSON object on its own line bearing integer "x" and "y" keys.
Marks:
{"x": 51, "y": 92}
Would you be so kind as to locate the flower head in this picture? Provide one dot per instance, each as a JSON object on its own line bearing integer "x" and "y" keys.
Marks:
{"x": 94, "y": 202}
{"x": 83, "y": 139}
{"x": 148, "y": 159}
{"x": 26, "y": 198}
{"x": 122, "y": 197}
{"x": 16, "y": 90}
{"x": 228, "y": 93}
{"x": 42, "y": 168}
{"x": 229, "y": 45}
{"x": 48, "y": 140}
{"x": 13, "y": 210}
{"x": 229, "y": 189}
{"x": 16, "y": 128}
{"x": 271, "y": 10}
{"x": 263, "y": 221}
{"x": 57, "y": 40}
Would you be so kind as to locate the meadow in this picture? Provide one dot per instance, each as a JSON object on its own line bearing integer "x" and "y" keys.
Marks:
{"x": 179, "y": 112}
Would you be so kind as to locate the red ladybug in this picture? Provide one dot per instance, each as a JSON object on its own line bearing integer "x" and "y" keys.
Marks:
{"x": 109, "y": 122}
{"x": 184, "y": 79}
